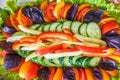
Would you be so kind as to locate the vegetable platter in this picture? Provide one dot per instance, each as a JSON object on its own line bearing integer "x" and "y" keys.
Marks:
{"x": 60, "y": 40}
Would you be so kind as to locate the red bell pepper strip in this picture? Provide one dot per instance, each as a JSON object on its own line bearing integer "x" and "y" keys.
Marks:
{"x": 108, "y": 52}
{"x": 17, "y": 45}
{"x": 91, "y": 49}
{"x": 82, "y": 74}
{"x": 30, "y": 39}
{"x": 47, "y": 50}
{"x": 50, "y": 11}
{"x": 51, "y": 35}
{"x": 52, "y": 73}
{"x": 66, "y": 50}
{"x": 8, "y": 22}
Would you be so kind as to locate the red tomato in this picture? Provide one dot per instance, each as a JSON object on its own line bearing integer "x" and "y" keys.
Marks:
{"x": 48, "y": 50}
{"x": 6, "y": 34}
{"x": 50, "y": 11}
{"x": 3, "y": 53}
{"x": 109, "y": 26}
{"x": 81, "y": 12}
{"x": 8, "y": 22}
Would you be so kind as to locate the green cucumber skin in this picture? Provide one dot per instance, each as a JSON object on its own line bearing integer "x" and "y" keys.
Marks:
{"x": 62, "y": 61}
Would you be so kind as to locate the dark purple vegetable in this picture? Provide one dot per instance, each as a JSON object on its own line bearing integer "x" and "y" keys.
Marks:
{"x": 72, "y": 12}
{"x": 97, "y": 74}
{"x": 43, "y": 74}
{"x": 94, "y": 15}
{"x": 11, "y": 61}
{"x": 7, "y": 46}
{"x": 112, "y": 39}
{"x": 108, "y": 65}
{"x": 34, "y": 14}
{"x": 68, "y": 74}
{"x": 9, "y": 30}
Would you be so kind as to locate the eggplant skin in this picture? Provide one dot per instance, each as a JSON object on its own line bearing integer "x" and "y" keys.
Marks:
{"x": 11, "y": 61}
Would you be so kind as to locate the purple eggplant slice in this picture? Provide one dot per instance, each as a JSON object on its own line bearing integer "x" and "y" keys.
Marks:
{"x": 97, "y": 74}
{"x": 8, "y": 30}
{"x": 11, "y": 61}
{"x": 43, "y": 74}
{"x": 94, "y": 15}
{"x": 34, "y": 14}
{"x": 72, "y": 12}
{"x": 68, "y": 74}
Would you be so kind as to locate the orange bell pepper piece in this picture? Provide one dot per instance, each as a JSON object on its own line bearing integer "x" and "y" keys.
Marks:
{"x": 89, "y": 74}
{"x": 77, "y": 77}
{"x": 29, "y": 38}
{"x": 43, "y": 5}
{"x": 113, "y": 72}
{"x": 105, "y": 75}
{"x": 28, "y": 70}
{"x": 59, "y": 74}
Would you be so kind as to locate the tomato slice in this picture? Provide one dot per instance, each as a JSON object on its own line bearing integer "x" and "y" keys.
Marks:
{"x": 22, "y": 19}
{"x": 81, "y": 12}
{"x": 8, "y": 22}
{"x": 50, "y": 11}
{"x": 48, "y": 50}
{"x": 14, "y": 21}
{"x": 109, "y": 26}
{"x": 6, "y": 34}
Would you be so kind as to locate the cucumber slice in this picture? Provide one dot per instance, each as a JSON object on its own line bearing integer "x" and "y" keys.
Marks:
{"x": 67, "y": 25}
{"x": 95, "y": 61}
{"x": 46, "y": 28}
{"x": 75, "y": 58}
{"x": 59, "y": 28}
{"x": 35, "y": 26}
{"x": 53, "y": 26}
{"x": 48, "y": 62}
{"x": 41, "y": 27}
{"x": 75, "y": 27}
{"x": 79, "y": 61}
{"x": 86, "y": 62}
{"x": 93, "y": 30}
{"x": 83, "y": 29}
{"x": 57, "y": 62}
{"x": 66, "y": 61}
{"x": 41, "y": 62}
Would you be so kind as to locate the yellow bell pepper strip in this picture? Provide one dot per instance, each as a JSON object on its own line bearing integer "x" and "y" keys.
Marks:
{"x": 52, "y": 73}
{"x": 28, "y": 70}
{"x": 58, "y": 8}
{"x": 89, "y": 74}
{"x": 77, "y": 77}
{"x": 108, "y": 52}
{"x": 116, "y": 58}
{"x": 105, "y": 75}
{"x": 59, "y": 74}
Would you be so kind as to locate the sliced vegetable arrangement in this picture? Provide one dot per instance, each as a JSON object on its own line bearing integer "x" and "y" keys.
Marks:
{"x": 60, "y": 40}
